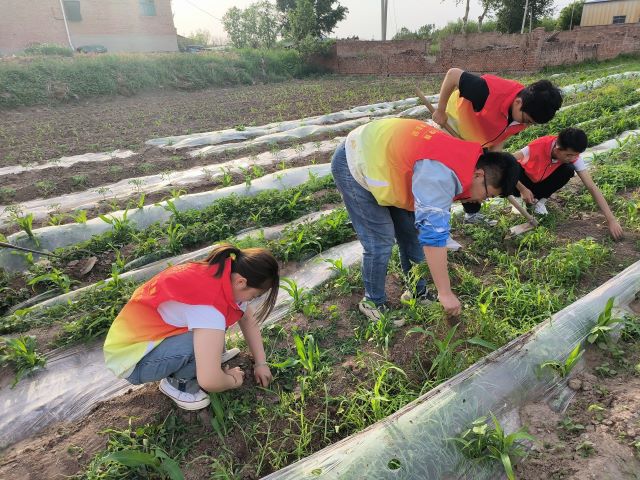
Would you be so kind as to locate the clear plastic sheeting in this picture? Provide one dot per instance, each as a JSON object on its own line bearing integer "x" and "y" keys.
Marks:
{"x": 412, "y": 443}
{"x": 598, "y": 82}
{"x": 54, "y": 237}
{"x": 74, "y": 380}
{"x": 68, "y": 161}
{"x": 297, "y": 133}
{"x": 232, "y": 134}
{"x": 40, "y": 208}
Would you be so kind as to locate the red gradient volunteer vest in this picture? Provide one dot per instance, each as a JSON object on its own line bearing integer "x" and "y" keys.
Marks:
{"x": 539, "y": 164}
{"x": 490, "y": 125}
{"x": 395, "y": 145}
{"x": 190, "y": 283}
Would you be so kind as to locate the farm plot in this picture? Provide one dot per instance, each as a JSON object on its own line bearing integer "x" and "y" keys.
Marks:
{"x": 349, "y": 373}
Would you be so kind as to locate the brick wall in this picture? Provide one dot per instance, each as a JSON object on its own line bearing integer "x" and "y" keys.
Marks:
{"x": 116, "y": 24}
{"x": 23, "y": 22}
{"x": 485, "y": 52}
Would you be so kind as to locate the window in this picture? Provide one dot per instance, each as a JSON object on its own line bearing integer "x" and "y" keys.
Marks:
{"x": 147, "y": 8}
{"x": 619, "y": 18}
{"x": 72, "y": 10}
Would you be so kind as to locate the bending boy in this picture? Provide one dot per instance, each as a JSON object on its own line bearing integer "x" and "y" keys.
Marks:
{"x": 489, "y": 109}
{"x": 387, "y": 170}
{"x": 548, "y": 163}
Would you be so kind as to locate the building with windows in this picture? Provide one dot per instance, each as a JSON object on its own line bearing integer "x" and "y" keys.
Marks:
{"x": 607, "y": 12}
{"x": 118, "y": 25}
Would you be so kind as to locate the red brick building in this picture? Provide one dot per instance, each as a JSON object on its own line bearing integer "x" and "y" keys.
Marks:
{"x": 119, "y": 25}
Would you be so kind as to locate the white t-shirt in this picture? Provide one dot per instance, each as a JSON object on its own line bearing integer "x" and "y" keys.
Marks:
{"x": 579, "y": 164}
{"x": 194, "y": 316}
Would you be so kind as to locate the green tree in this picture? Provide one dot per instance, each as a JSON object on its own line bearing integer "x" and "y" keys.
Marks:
{"x": 257, "y": 26}
{"x": 510, "y": 13}
{"x": 425, "y": 32}
{"x": 488, "y": 6}
{"x": 570, "y": 15}
{"x": 301, "y": 21}
{"x": 325, "y": 15}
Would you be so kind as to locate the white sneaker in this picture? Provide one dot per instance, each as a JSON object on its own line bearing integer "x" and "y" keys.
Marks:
{"x": 453, "y": 245}
{"x": 371, "y": 311}
{"x": 229, "y": 354}
{"x": 425, "y": 299}
{"x": 540, "y": 208}
{"x": 479, "y": 219}
{"x": 184, "y": 400}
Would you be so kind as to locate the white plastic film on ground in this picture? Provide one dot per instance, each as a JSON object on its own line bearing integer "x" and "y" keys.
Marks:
{"x": 54, "y": 237}
{"x": 74, "y": 380}
{"x": 247, "y": 133}
{"x": 413, "y": 443}
{"x": 41, "y": 208}
{"x": 68, "y": 161}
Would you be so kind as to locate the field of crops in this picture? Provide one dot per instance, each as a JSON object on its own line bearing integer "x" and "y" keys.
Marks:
{"x": 144, "y": 182}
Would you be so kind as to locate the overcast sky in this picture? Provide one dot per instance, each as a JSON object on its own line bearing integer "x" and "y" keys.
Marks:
{"x": 362, "y": 20}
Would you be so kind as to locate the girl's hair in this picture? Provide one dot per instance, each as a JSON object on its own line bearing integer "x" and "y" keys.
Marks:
{"x": 257, "y": 265}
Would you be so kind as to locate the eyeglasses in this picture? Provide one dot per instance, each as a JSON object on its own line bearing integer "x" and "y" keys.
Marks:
{"x": 486, "y": 190}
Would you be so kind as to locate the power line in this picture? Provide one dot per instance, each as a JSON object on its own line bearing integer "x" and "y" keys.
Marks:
{"x": 202, "y": 10}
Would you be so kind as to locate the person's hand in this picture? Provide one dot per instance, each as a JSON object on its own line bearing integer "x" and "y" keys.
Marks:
{"x": 440, "y": 117}
{"x": 237, "y": 374}
{"x": 262, "y": 374}
{"x": 527, "y": 195}
{"x": 450, "y": 303}
{"x": 616, "y": 230}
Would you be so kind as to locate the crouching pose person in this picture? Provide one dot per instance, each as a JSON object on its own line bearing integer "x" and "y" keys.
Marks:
{"x": 548, "y": 163}
{"x": 173, "y": 327}
{"x": 388, "y": 169}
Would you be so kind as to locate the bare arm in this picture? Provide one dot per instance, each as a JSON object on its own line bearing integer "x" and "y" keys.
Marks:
{"x": 253, "y": 337}
{"x": 437, "y": 261}
{"x": 614, "y": 227}
{"x": 208, "y": 345}
{"x": 449, "y": 84}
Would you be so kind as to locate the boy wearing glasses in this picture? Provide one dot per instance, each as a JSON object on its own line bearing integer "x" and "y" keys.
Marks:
{"x": 548, "y": 163}
{"x": 398, "y": 179}
{"x": 489, "y": 109}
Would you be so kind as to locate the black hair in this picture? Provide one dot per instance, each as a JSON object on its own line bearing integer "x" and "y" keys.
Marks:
{"x": 501, "y": 171}
{"x": 541, "y": 100}
{"x": 257, "y": 265}
{"x": 572, "y": 138}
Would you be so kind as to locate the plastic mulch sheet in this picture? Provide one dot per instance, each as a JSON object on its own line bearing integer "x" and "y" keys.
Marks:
{"x": 41, "y": 208}
{"x": 412, "y": 443}
{"x": 54, "y": 237}
{"x": 75, "y": 379}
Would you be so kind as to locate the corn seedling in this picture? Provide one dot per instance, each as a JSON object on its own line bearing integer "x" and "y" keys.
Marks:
{"x": 226, "y": 179}
{"x": 601, "y": 332}
{"x": 175, "y": 234}
{"x": 26, "y": 223}
{"x": 448, "y": 361}
{"x": 309, "y": 355}
{"x": 60, "y": 280}
{"x": 121, "y": 226}
{"x": 490, "y": 442}
{"x": 563, "y": 369}
{"x": 80, "y": 216}
{"x": 218, "y": 421}
{"x": 298, "y": 294}
{"x": 21, "y": 354}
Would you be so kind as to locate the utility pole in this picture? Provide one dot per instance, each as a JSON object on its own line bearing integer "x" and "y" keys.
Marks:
{"x": 524, "y": 16}
{"x": 571, "y": 21}
{"x": 384, "y": 5}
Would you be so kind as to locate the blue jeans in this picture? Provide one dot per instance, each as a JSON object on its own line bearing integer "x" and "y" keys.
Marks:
{"x": 378, "y": 228}
{"x": 174, "y": 357}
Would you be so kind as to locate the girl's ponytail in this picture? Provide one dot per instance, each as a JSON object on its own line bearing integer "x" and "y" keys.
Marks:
{"x": 219, "y": 255}
{"x": 257, "y": 265}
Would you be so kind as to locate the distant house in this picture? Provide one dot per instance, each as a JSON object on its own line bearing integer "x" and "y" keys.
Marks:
{"x": 119, "y": 25}
{"x": 607, "y": 12}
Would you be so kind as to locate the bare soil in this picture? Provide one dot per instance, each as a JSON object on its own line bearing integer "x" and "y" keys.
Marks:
{"x": 604, "y": 448}
{"x": 39, "y": 134}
